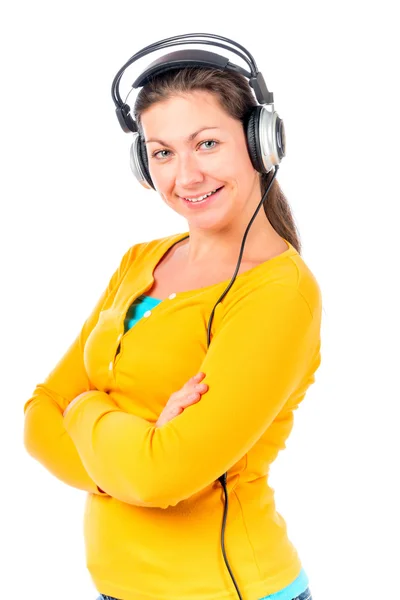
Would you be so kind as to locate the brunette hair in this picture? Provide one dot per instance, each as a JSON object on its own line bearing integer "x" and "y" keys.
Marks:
{"x": 236, "y": 98}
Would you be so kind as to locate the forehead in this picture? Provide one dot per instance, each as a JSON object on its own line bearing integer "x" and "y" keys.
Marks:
{"x": 182, "y": 111}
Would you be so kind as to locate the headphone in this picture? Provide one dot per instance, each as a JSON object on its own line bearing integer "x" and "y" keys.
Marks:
{"x": 264, "y": 131}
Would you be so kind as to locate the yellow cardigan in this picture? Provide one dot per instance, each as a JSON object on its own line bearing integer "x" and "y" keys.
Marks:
{"x": 154, "y": 506}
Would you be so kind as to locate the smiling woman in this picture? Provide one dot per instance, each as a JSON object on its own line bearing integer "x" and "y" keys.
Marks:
{"x": 115, "y": 416}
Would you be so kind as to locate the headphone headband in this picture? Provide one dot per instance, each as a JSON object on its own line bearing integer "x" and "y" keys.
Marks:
{"x": 184, "y": 58}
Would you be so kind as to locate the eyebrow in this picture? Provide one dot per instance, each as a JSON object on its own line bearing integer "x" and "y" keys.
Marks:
{"x": 188, "y": 139}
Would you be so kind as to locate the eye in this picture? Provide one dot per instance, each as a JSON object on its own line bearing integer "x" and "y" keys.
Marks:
{"x": 206, "y": 142}
{"x": 154, "y": 155}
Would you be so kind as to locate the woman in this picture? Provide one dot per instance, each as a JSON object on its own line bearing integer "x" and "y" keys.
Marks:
{"x": 150, "y": 456}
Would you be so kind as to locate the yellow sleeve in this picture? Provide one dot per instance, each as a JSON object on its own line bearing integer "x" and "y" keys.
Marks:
{"x": 45, "y": 437}
{"x": 260, "y": 353}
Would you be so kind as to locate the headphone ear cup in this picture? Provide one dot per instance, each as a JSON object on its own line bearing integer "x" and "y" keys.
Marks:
{"x": 252, "y": 129}
{"x": 139, "y": 162}
{"x": 266, "y": 140}
{"x": 144, "y": 163}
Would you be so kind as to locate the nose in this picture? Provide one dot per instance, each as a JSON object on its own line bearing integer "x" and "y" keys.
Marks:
{"x": 188, "y": 172}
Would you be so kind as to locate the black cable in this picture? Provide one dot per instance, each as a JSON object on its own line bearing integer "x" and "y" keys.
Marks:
{"x": 223, "y": 477}
{"x": 223, "y": 481}
{"x": 240, "y": 254}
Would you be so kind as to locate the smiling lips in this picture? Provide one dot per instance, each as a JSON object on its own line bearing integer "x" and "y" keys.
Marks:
{"x": 195, "y": 199}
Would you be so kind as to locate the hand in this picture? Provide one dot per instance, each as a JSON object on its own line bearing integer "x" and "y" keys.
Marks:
{"x": 189, "y": 394}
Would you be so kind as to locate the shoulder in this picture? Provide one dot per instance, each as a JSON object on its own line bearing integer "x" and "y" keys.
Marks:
{"x": 147, "y": 250}
{"x": 306, "y": 284}
{"x": 278, "y": 286}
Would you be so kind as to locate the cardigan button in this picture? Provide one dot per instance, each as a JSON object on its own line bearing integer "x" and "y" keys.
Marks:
{"x": 171, "y": 296}
{"x": 147, "y": 313}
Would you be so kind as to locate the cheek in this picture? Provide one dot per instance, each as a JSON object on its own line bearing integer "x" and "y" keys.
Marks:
{"x": 162, "y": 179}
{"x": 230, "y": 166}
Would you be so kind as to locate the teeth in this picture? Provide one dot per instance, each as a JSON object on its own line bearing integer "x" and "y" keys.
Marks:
{"x": 200, "y": 198}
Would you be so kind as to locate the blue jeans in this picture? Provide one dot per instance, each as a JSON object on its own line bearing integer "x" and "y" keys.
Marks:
{"x": 306, "y": 595}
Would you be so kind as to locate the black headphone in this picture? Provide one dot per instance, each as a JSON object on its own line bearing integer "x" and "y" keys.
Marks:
{"x": 265, "y": 134}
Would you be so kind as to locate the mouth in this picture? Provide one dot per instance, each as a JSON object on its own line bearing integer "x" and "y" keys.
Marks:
{"x": 204, "y": 202}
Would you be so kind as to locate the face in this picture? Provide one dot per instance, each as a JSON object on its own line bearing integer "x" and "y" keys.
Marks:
{"x": 216, "y": 157}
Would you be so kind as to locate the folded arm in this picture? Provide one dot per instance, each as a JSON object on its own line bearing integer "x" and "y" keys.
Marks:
{"x": 45, "y": 437}
{"x": 259, "y": 355}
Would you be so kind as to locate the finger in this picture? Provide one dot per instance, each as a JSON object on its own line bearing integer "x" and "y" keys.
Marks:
{"x": 195, "y": 389}
{"x": 198, "y": 376}
{"x": 189, "y": 399}
{"x": 192, "y": 381}
{"x": 199, "y": 387}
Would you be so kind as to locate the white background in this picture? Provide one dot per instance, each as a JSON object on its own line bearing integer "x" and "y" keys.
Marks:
{"x": 70, "y": 208}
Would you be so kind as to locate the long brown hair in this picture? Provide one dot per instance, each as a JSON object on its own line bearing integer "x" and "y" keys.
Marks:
{"x": 236, "y": 98}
